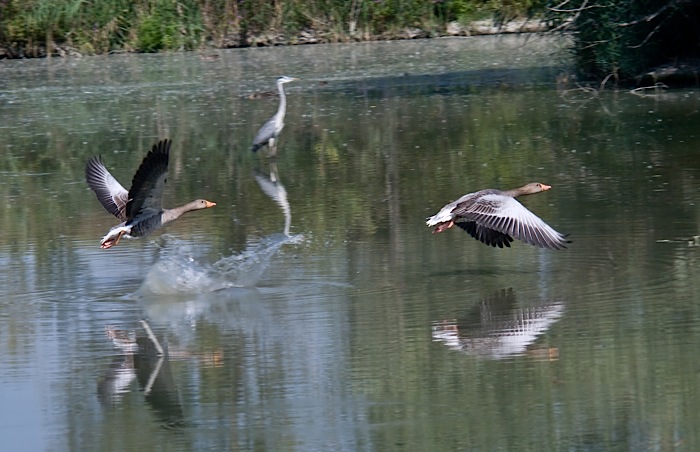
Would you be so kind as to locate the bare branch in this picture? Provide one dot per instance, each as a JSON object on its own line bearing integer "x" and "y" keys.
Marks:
{"x": 653, "y": 16}
{"x": 586, "y": 92}
{"x": 583, "y": 7}
{"x": 560, "y": 5}
{"x": 605, "y": 80}
{"x": 594, "y": 43}
{"x": 641, "y": 91}
{"x": 562, "y": 26}
{"x": 651, "y": 33}
{"x": 571, "y": 20}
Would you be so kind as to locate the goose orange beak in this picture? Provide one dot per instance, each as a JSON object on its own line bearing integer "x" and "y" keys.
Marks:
{"x": 545, "y": 187}
{"x": 209, "y": 204}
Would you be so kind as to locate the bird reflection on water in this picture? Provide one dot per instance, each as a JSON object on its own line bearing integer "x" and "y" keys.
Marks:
{"x": 271, "y": 185}
{"x": 498, "y": 328}
{"x": 141, "y": 358}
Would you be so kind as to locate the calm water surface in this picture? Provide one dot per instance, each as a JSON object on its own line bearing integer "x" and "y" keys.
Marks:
{"x": 312, "y": 309}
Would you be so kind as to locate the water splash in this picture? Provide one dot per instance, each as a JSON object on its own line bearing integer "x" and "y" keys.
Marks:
{"x": 180, "y": 271}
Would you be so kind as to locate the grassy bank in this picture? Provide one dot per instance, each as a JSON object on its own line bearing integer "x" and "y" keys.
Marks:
{"x": 35, "y": 28}
{"x": 614, "y": 40}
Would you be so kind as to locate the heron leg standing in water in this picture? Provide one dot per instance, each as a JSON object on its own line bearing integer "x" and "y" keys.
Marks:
{"x": 268, "y": 133}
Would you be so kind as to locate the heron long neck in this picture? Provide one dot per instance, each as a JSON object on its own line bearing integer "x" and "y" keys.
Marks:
{"x": 283, "y": 101}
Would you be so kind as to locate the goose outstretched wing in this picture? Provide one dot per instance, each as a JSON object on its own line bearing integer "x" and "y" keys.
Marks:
{"x": 146, "y": 192}
{"x": 505, "y": 215}
{"x": 109, "y": 191}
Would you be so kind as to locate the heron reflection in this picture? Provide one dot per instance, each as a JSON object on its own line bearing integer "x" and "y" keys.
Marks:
{"x": 497, "y": 327}
{"x": 142, "y": 358}
{"x": 133, "y": 348}
{"x": 271, "y": 185}
{"x": 117, "y": 379}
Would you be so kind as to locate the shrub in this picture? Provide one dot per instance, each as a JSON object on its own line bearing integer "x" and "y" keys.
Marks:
{"x": 623, "y": 38}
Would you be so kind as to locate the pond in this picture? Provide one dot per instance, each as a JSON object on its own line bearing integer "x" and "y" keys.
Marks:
{"x": 312, "y": 308}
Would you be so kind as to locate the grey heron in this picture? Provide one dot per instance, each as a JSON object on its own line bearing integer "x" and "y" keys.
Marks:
{"x": 269, "y": 132}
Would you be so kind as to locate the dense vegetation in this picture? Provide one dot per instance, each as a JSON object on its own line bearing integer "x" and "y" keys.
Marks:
{"x": 38, "y": 27}
{"x": 617, "y": 39}
{"x": 624, "y": 39}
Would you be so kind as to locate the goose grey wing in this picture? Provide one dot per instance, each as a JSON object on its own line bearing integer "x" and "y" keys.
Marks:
{"x": 146, "y": 192}
{"x": 507, "y": 216}
{"x": 108, "y": 190}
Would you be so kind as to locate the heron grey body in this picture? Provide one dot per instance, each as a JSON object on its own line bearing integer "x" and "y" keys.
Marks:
{"x": 268, "y": 133}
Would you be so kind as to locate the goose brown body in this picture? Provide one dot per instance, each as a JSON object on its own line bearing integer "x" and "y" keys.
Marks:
{"x": 495, "y": 218}
{"x": 139, "y": 208}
